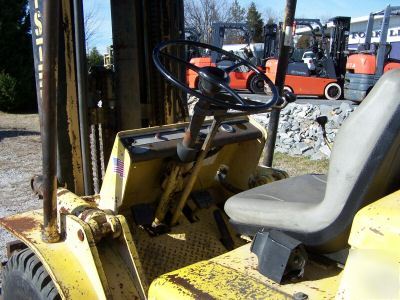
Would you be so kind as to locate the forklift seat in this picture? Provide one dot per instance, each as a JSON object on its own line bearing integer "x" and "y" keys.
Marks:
{"x": 364, "y": 166}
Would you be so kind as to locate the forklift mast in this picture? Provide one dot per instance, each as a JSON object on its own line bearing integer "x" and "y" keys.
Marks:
{"x": 381, "y": 53}
{"x": 271, "y": 40}
{"x": 339, "y": 39}
{"x": 136, "y": 96}
{"x": 309, "y": 23}
{"x": 218, "y": 35}
{"x": 339, "y": 36}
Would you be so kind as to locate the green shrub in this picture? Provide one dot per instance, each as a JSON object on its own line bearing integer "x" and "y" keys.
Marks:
{"x": 8, "y": 92}
{"x": 16, "y": 95}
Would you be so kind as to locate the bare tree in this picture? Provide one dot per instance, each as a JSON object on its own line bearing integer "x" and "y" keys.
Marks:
{"x": 91, "y": 24}
{"x": 272, "y": 16}
{"x": 237, "y": 14}
{"x": 201, "y": 14}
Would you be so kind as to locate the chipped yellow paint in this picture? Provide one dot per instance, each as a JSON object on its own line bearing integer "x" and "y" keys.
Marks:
{"x": 209, "y": 280}
{"x": 59, "y": 259}
{"x": 372, "y": 269}
{"x": 234, "y": 275}
{"x": 80, "y": 268}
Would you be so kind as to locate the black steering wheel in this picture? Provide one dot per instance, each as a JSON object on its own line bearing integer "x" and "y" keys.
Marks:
{"x": 213, "y": 79}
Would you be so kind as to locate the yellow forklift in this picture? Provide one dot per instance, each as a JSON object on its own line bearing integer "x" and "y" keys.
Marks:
{"x": 185, "y": 210}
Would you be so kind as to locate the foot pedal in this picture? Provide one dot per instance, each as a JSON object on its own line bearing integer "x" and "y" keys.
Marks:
{"x": 280, "y": 256}
{"x": 143, "y": 215}
{"x": 226, "y": 238}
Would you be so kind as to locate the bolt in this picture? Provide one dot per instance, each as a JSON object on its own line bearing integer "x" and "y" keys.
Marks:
{"x": 81, "y": 236}
{"x": 300, "y": 296}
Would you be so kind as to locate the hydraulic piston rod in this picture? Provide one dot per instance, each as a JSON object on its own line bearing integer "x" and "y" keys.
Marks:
{"x": 48, "y": 122}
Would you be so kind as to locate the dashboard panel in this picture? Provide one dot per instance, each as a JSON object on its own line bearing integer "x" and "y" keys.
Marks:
{"x": 162, "y": 143}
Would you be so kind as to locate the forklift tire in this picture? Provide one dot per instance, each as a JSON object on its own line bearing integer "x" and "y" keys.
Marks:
{"x": 256, "y": 85}
{"x": 24, "y": 277}
{"x": 333, "y": 91}
{"x": 288, "y": 88}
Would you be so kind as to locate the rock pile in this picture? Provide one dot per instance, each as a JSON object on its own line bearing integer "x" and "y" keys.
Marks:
{"x": 300, "y": 134}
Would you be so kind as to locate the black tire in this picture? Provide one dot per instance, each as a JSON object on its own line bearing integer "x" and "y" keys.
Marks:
{"x": 24, "y": 277}
{"x": 256, "y": 84}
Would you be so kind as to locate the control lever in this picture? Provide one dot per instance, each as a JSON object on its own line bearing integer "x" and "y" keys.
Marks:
{"x": 322, "y": 120}
{"x": 186, "y": 150}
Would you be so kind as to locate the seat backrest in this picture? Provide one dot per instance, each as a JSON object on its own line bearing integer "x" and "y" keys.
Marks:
{"x": 365, "y": 160}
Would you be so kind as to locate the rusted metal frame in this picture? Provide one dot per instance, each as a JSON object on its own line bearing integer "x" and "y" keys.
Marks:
{"x": 48, "y": 122}
{"x": 128, "y": 78}
{"x": 69, "y": 150}
{"x": 284, "y": 50}
{"x": 177, "y": 109}
{"x": 156, "y": 31}
{"x": 196, "y": 169}
{"x": 162, "y": 20}
{"x": 81, "y": 75}
{"x": 68, "y": 163}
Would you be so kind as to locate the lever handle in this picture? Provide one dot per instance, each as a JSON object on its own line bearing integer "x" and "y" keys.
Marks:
{"x": 322, "y": 120}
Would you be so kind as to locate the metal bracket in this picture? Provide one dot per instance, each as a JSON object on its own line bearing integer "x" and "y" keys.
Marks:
{"x": 280, "y": 256}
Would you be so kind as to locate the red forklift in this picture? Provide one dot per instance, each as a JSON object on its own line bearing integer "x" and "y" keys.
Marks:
{"x": 241, "y": 78}
{"x": 367, "y": 65}
{"x": 324, "y": 76}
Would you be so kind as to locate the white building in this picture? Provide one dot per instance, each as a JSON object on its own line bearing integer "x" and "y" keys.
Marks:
{"x": 357, "y": 32}
{"x": 359, "y": 25}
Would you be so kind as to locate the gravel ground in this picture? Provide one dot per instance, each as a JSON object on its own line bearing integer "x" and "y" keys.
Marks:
{"x": 302, "y": 100}
{"x": 20, "y": 158}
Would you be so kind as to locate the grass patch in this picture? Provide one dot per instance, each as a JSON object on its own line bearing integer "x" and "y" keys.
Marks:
{"x": 298, "y": 165}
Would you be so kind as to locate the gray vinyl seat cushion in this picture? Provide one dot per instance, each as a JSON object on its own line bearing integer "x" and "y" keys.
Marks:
{"x": 296, "y": 192}
{"x": 289, "y": 202}
{"x": 364, "y": 166}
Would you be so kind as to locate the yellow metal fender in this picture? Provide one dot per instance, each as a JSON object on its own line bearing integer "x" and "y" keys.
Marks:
{"x": 80, "y": 267}
{"x": 372, "y": 270}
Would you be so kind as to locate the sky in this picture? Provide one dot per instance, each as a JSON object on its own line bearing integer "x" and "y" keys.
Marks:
{"x": 304, "y": 9}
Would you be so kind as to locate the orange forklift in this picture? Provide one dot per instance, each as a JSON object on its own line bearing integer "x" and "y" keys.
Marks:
{"x": 367, "y": 65}
{"x": 323, "y": 77}
{"x": 241, "y": 78}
